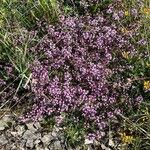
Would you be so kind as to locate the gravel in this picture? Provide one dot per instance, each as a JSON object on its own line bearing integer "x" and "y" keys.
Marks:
{"x": 32, "y": 136}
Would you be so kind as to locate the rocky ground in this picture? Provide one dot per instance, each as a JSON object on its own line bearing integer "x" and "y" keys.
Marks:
{"x": 32, "y": 136}
{"x": 29, "y": 136}
{"x": 16, "y": 136}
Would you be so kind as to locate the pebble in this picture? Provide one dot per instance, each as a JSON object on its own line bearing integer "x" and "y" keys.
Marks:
{"x": 29, "y": 143}
{"x": 31, "y": 127}
{"x": 46, "y": 139}
{"x": 31, "y": 136}
{"x": 3, "y": 125}
{"x": 20, "y": 129}
{"x": 57, "y": 145}
{"x": 8, "y": 118}
{"x": 3, "y": 140}
{"x": 54, "y": 134}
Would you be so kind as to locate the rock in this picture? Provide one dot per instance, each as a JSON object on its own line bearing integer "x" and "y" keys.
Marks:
{"x": 46, "y": 139}
{"x": 14, "y": 133}
{"x": 111, "y": 142}
{"x": 4, "y": 122}
{"x": 89, "y": 147}
{"x": 8, "y": 134}
{"x": 104, "y": 147}
{"x": 29, "y": 135}
{"x": 31, "y": 127}
{"x": 2, "y": 128}
{"x": 57, "y": 145}
{"x": 57, "y": 129}
{"x": 96, "y": 143}
{"x": 37, "y": 125}
{"x": 13, "y": 147}
{"x": 8, "y": 118}
{"x": 22, "y": 144}
{"x": 39, "y": 147}
{"x": 29, "y": 143}
{"x": 87, "y": 142}
{"x": 21, "y": 148}
{"x": 78, "y": 148}
{"x": 3, "y": 140}
{"x": 36, "y": 142}
{"x": 20, "y": 129}
{"x": 3, "y": 125}
{"x": 54, "y": 133}
{"x": 61, "y": 137}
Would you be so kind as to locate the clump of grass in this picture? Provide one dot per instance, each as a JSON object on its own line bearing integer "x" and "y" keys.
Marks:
{"x": 28, "y": 13}
{"x": 74, "y": 131}
{"x": 16, "y": 19}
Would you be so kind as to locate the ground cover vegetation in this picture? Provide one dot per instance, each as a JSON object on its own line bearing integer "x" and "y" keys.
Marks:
{"x": 80, "y": 65}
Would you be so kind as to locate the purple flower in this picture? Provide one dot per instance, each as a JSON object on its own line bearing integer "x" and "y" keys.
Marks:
{"x": 142, "y": 42}
{"x": 72, "y": 75}
{"x": 116, "y": 16}
{"x": 138, "y": 100}
{"x": 134, "y": 12}
{"x": 110, "y": 10}
{"x": 121, "y": 13}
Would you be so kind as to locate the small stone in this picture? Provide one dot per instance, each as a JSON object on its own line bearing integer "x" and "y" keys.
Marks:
{"x": 22, "y": 144}
{"x": 37, "y": 125}
{"x": 111, "y": 142}
{"x": 39, "y": 147}
{"x": 46, "y": 139}
{"x": 61, "y": 137}
{"x": 21, "y": 148}
{"x": 14, "y": 133}
{"x": 87, "y": 142}
{"x": 2, "y": 128}
{"x": 8, "y": 118}
{"x": 54, "y": 134}
{"x": 3, "y": 125}
{"x": 96, "y": 143}
{"x": 69, "y": 148}
{"x": 104, "y": 147}
{"x": 31, "y": 127}
{"x": 13, "y": 147}
{"x": 57, "y": 145}
{"x": 57, "y": 129}
{"x": 89, "y": 147}
{"x": 37, "y": 141}
{"x": 3, "y": 140}
{"x": 29, "y": 135}
{"x": 29, "y": 143}
{"x": 20, "y": 129}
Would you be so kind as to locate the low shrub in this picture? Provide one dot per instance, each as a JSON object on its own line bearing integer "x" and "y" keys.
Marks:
{"x": 74, "y": 73}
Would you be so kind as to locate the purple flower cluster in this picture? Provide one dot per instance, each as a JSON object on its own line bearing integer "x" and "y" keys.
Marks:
{"x": 72, "y": 68}
{"x": 118, "y": 12}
